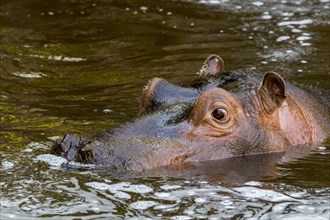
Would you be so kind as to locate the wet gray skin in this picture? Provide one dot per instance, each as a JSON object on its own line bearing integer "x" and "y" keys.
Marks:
{"x": 225, "y": 114}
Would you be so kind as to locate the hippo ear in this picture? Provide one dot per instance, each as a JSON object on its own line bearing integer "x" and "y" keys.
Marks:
{"x": 272, "y": 92}
{"x": 213, "y": 65}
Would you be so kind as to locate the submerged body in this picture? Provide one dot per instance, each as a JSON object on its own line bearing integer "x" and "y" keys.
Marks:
{"x": 230, "y": 114}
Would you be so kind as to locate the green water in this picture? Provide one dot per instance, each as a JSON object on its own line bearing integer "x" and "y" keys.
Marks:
{"x": 80, "y": 66}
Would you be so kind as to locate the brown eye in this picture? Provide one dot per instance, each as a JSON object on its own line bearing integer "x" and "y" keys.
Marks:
{"x": 219, "y": 114}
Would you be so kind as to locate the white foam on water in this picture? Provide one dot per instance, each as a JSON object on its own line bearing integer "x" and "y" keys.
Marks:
{"x": 170, "y": 187}
{"x": 303, "y": 37}
{"x": 52, "y": 160}
{"x": 165, "y": 207}
{"x": 264, "y": 194}
{"x": 128, "y": 187}
{"x": 30, "y": 75}
{"x": 119, "y": 189}
{"x": 139, "y": 189}
{"x": 54, "y": 138}
{"x": 258, "y": 3}
{"x": 301, "y": 22}
{"x": 36, "y": 146}
{"x": 162, "y": 194}
{"x": 66, "y": 59}
{"x": 7, "y": 164}
{"x": 181, "y": 217}
{"x": 122, "y": 195}
{"x": 107, "y": 110}
{"x": 142, "y": 205}
{"x": 253, "y": 183}
{"x": 73, "y": 59}
{"x": 200, "y": 200}
{"x": 82, "y": 165}
{"x": 98, "y": 185}
{"x": 226, "y": 202}
{"x": 282, "y": 38}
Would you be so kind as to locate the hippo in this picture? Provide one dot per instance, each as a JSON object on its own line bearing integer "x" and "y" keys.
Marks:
{"x": 223, "y": 114}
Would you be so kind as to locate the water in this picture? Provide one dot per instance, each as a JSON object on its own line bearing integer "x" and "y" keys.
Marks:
{"x": 79, "y": 67}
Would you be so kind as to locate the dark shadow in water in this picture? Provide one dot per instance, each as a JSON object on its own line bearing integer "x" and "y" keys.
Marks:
{"x": 231, "y": 171}
{"x": 312, "y": 171}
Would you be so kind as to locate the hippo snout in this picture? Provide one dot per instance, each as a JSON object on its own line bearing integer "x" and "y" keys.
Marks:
{"x": 75, "y": 148}
{"x": 68, "y": 146}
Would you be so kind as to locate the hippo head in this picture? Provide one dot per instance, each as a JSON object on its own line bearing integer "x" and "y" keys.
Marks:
{"x": 216, "y": 123}
{"x": 179, "y": 125}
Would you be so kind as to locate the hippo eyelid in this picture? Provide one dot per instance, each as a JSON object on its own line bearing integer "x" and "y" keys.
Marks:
{"x": 219, "y": 105}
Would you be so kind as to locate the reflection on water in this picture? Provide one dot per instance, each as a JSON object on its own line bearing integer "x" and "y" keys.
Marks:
{"x": 87, "y": 194}
{"x": 79, "y": 67}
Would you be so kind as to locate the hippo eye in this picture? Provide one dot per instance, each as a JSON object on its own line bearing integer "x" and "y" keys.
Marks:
{"x": 219, "y": 114}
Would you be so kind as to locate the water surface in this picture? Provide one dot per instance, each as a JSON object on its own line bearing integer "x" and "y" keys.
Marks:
{"x": 79, "y": 67}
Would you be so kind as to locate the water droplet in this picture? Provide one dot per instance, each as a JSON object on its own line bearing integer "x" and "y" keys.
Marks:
{"x": 282, "y": 38}
{"x": 257, "y": 3}
{"x": 226, "y": 202}
{"x": 303, "y": 38}
{"x": 306, "y": 44}
{"x": 266, "y": 17}
{"x": 143, "y": 8}
{"x": 107, "y": 110}
{"x": 200, "y": 200}
{"x": 296, "y": 30}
